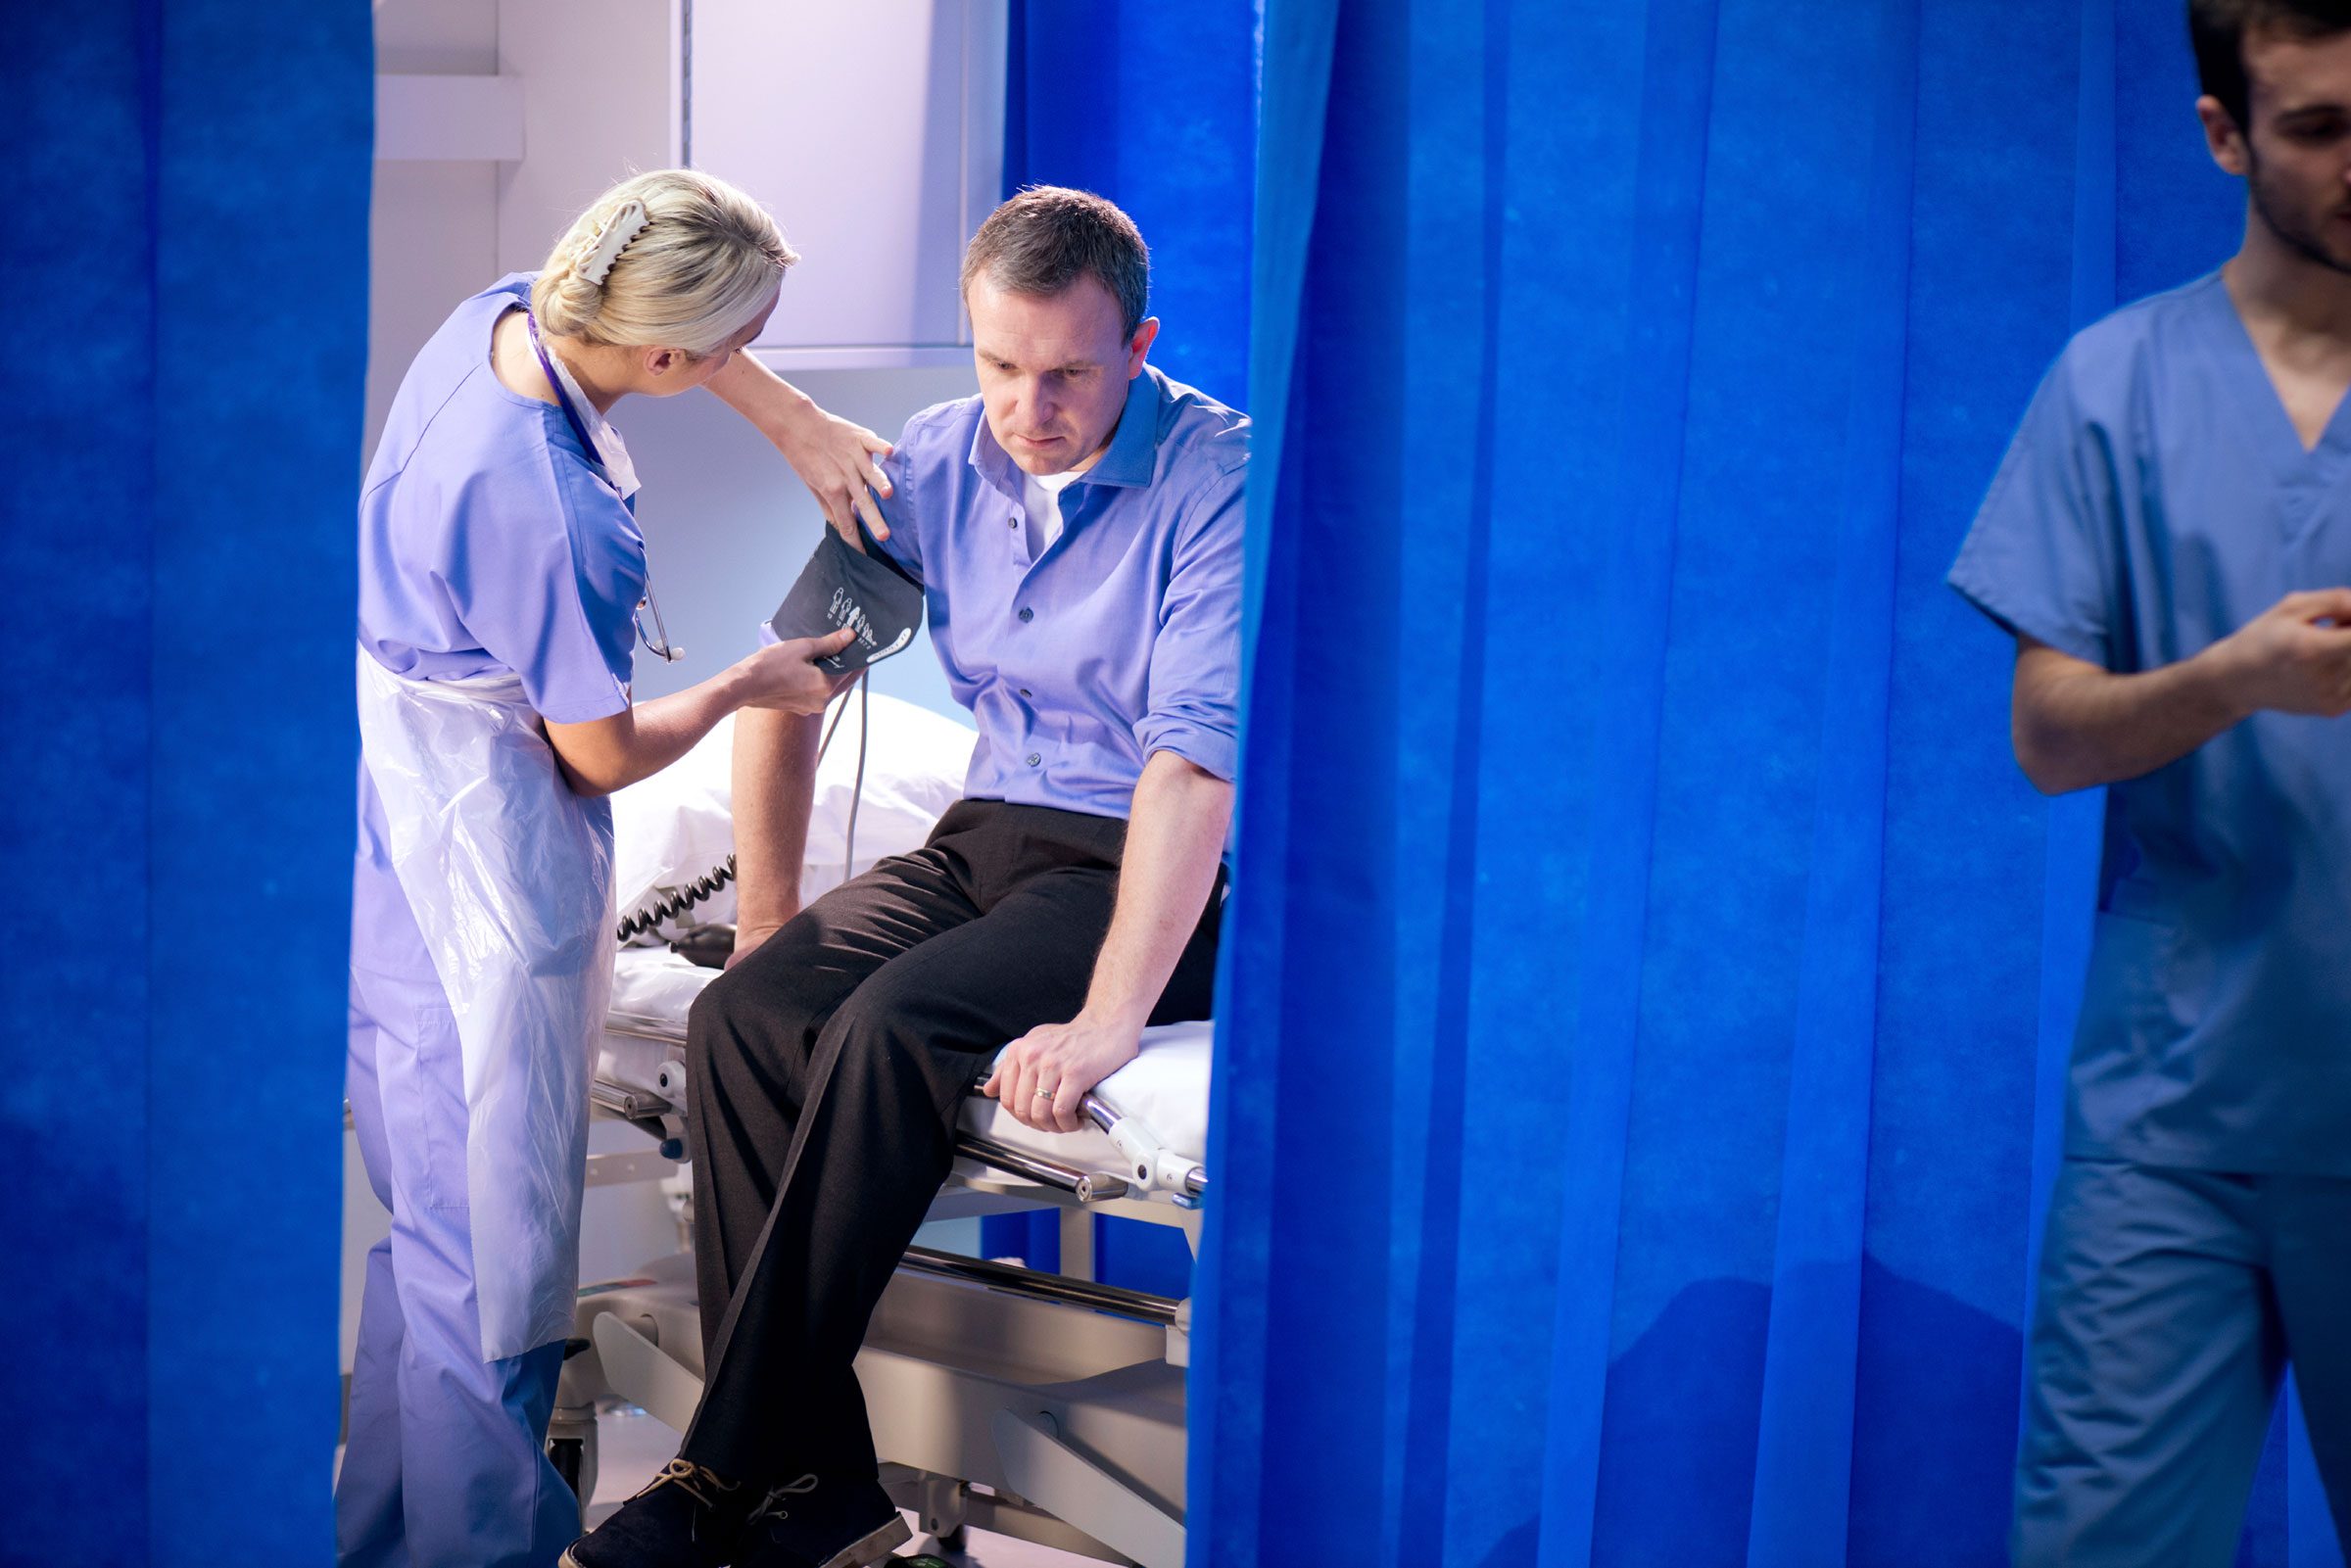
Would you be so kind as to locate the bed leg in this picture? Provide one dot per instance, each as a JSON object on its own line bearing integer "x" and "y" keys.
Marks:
{"x": 1078, "y": 1243}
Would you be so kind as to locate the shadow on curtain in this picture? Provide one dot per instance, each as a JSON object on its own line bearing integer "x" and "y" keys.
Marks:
{"x": 186, "y": 272}
{"x": 1649, "y": 976}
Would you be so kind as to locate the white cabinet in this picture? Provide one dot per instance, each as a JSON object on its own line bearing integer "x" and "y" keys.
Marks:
{"x": 874, "y": 131}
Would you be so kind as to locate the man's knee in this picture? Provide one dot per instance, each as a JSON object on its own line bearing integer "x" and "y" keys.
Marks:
{"x": 883, "y": 1033}
{"x": 763, "y": 1011}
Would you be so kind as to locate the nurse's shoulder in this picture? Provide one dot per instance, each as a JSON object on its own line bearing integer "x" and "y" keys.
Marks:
{"x": 459, "y": 425}
{"x": 472, "y": 482}
{"x": 454, "y": 359}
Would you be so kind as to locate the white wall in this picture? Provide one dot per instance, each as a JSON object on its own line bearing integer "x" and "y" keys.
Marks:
{"x": 432, "y": 227}
{"x": 728, "y": 526}
{"x": 727, "y": 523}
{"x": 599, "y": 101}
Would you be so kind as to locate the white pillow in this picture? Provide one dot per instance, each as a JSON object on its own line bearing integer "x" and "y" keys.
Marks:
{"x": 678, "y": 826}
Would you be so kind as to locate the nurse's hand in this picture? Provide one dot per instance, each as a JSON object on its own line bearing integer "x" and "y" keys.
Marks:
{"x": 785, "y": 676}
{"x": 834, "y": 458}
{"x": 2294, "y": 657}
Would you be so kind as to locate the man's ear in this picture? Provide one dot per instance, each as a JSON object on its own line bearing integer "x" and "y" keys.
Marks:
{"x": 1140, "y": 346}
{"x": 2223, "y": 137}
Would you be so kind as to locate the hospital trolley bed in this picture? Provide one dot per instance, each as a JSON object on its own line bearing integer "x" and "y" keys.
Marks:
{"x": 1044, "y": 1406}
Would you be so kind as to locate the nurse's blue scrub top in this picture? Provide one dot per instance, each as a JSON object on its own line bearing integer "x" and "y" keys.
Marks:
{"x": 2156, "y": 498}
{"x": 489, "y": 543}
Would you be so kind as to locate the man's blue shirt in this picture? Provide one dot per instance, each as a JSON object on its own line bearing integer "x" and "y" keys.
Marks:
{"x": 1124, "y": 636}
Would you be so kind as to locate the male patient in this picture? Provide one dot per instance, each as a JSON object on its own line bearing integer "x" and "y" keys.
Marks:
{"x": 1077, "y": 527}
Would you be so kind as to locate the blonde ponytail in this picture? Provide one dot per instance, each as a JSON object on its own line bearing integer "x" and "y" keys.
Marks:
{"x": 687, "y": 267}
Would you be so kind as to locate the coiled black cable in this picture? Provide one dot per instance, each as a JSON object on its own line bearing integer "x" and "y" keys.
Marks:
{"x": 677, "y": 902}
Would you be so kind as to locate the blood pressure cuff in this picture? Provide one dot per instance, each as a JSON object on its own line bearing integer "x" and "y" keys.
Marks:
{"x": 868, "y": 592}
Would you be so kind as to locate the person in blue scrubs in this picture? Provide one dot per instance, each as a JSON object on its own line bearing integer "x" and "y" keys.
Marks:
{"x": 2169, "y": 541}
{"x": 503, "y": 583}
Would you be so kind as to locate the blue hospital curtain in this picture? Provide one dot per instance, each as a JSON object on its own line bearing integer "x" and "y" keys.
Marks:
{"x": 185, "y": 269}
{"x": 1153, "y": 106}
{"x": 1647, "y": 978}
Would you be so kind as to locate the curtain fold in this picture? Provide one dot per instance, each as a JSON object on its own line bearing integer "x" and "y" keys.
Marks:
{"x": 186, "y": 265}
{"x": 1648, "y": 976}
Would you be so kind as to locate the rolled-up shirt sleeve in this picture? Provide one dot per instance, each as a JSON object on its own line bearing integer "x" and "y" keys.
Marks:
{"x": 1196, "y": 654}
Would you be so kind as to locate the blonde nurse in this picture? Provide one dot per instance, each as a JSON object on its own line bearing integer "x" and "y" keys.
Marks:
{"x": 503, "y": 598}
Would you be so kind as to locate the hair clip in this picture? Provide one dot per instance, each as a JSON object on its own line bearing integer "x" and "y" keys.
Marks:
{"x": 594, "y": 260}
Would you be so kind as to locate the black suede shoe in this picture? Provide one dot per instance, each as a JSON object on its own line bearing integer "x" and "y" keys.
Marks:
{"x": 831, "y": 1524}
{"x": 687, "y": 1517}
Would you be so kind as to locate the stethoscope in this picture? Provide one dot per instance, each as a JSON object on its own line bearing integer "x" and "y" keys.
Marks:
{"x": 657, "y": 644}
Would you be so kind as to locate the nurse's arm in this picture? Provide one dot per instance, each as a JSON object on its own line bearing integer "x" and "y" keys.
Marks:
{"x": 603, "y": 755}
{"x": 2076, "y": 725}
{"x": 834, "y": 456}
{"x": 774, "y": 786}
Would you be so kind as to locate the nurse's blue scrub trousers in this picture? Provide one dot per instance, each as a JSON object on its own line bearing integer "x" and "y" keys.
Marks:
{"x": 445, "y": 1465}
{"x": 2171, "y": 1301}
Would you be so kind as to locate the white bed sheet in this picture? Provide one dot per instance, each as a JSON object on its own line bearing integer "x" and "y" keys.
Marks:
{"x": 1165, "y": 1087}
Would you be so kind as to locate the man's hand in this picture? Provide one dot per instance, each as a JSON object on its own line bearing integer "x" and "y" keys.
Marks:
{"x": 2294, "y": 657}
{"x": 1042, "y": 1077}
{"x": 1166, "y": 874}
{"x": 834, "y": 458}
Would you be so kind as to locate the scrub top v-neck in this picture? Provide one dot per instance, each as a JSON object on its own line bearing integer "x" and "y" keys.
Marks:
{"x": 2303, "y": 475}
{"x": 2157, "y": 498}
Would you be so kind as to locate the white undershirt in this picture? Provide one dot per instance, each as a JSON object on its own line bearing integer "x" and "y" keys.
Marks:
{"x": 1042, "y": 494}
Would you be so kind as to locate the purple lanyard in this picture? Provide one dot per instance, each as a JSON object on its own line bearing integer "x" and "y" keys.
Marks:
{"x": 554, "y": 383}
{"x": 659, "y": 644}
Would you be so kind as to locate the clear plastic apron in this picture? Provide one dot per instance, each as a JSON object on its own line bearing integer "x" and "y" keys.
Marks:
{"x": 510, "y": 875}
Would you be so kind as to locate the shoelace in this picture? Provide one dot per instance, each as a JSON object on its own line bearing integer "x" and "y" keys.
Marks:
{"x": 771, "y": 1506}
{"x": 692, "y": 1478}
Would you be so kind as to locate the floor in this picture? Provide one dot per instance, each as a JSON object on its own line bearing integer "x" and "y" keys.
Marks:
{"x": 631, "y": 1446}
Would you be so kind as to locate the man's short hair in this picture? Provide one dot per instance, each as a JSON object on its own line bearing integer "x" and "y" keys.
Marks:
{"x": 1047, "y": 237}
{"x": 2217, "y": 28}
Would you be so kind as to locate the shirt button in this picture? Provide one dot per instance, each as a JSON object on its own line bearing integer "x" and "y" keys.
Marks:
{"x": 1012, "y": 522}
{"x": 1023, "y": 690}
{"x": 1034, "y": 759}
{"x": 1027, "y": 615}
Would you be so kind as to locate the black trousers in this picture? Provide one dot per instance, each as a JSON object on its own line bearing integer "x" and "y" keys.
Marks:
{"x": 827, "y": 1068}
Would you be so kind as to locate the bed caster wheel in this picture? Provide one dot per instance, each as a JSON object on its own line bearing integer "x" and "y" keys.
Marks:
{"x": 569, "y": 1456}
